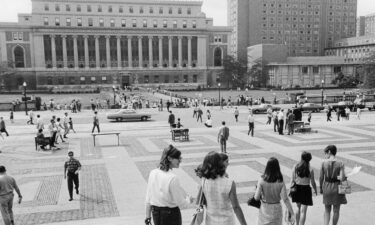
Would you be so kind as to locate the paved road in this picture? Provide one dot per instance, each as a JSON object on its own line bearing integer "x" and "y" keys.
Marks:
{"x": 113, "y": 178}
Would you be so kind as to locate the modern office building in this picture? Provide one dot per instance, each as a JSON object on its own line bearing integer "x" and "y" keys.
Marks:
{"x": 305, "y": 26}
{"x": 361, "y": 26}
{"x": 114, "y": 42}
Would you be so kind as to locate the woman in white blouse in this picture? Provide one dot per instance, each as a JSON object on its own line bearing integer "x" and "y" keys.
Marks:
{"x": 165, "y": 195}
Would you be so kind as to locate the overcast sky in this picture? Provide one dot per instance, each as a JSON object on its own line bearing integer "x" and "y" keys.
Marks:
{"x": 213, "y": 8}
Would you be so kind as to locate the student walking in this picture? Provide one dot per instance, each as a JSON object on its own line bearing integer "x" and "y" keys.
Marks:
{"x": 71, "y": 170}
{"x": 3, "y": 127}
{"x": 71, "y": 125}
{"x": 165, "y": 195}
{"x": 236, "y": 114}
{"x": 59, "y": 128}
{"x": 95, "y": 121}
{"x": 220, "y": 192}
{"x": 7, "y": 186}
{"x": 271, "y": 189}
{"x": 302, "y": 177}
{"x": 251, "y": 121}
{"x": 331, "y": 174}
{"x": 222, "y": 137}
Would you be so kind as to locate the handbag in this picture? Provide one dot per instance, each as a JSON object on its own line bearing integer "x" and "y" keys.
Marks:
{"x": 199, "y": 212}
{"x": 344, "y": 188}
{"x": 253, "y": 202}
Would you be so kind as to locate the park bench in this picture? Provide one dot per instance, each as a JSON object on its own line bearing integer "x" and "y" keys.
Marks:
{"x": 111, "y": 133}
{"x": 181, "y": 133}
{"x": 41, "y": 141}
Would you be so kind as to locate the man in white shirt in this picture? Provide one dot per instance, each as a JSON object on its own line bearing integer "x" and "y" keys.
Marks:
{"x": 65, "y": 124}
{"x": 39, "y": 123}
{"x": 250, "y": 120}
{"x": 280, "y": 117}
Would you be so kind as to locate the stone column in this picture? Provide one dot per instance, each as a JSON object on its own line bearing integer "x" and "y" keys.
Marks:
{"x": 97, "y": 55}
{"x": 75, "y": 49}
{"x": 170, "y": 50}
{"x": 87, "y": 61}
{"x": 130, "y": 54}
{"x": 108, "y": 52}
{"x": 160, "y": 51}
{"x": 189, "y": 51}
{"x": 65, "y": 55}
{"x": 119, "y": 61}
{"x": 140, "y": 51}
{"x": 150, "y": 53}
{"x": 53, "y": 49}
{"x": 179, "y": 51}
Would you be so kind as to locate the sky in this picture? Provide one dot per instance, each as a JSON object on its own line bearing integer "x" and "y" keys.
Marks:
{"x": 215, "y": 9}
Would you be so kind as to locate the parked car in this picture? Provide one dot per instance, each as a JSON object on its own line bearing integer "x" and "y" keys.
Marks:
{"x": 262, "y": 108}
{"x": 313, "y": 107}
{"x": 128, "y": 114}
{"x": 344, "y": 104}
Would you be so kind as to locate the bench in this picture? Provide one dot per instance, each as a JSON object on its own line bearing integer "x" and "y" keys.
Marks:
{"x": 41, "y": 141}
{"x": 181, "y": 133}
{"x": 112, "y": 133}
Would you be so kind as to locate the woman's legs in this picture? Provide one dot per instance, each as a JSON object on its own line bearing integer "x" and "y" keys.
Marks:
{"x": 303, "y": 215}
{"x": 327, "y": 214}
{"x": 298, "y": 213}
{"x": 336, "y": 214}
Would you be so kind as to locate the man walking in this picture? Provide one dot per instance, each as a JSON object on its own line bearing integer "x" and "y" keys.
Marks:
{"x": 2, "y": 127}
{"x": 171, "y": 119}
{"x": 275, "y": 121}
{"x": 250, "y": 120}
{"x": 269, "y": 115}
{"x": 71, "y": 170}
{"x": 236, "y": 114}
{"x": 290, "y": 123}
{"x": 222, "y": 137}
{"x": 200, "y": 113}
{"x": 31, "y": 116}
{"x": 7, "y": 185}
{"x": 52, "y": 132}
{"x": 66, "y": 124}
{"x": 95, "y": 122}
{"x": 280, "y": 117}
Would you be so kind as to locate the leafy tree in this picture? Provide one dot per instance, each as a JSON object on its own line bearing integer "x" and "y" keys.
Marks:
{"x": 234, "y": 72}
{"x": 367, "y": 70}
{"x": 259, "y": 73}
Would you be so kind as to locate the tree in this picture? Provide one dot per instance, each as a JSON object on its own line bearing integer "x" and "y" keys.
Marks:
{"x": 367, "y": 70}
{"x": 234, "y": 72}
{"x": 259, "y": 73}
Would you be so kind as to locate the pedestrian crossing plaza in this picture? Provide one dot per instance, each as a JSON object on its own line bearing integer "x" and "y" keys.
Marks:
{"x": 113, "y": 179}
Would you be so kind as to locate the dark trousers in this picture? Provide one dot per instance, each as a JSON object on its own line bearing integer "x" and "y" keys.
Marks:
{"x": 52, "y": 140}
{"x": 269, "y": 120}
{"x": 251, "y": 129}
{"x": 281, "y": 126}
{"x": 72, "y": 178}
{"x": 3, "y": 130}
{"x": 97, "y": 126}
{"x": 291, "y": 128}
{"x": 199, "y": 117}
{"x": 223, "y": 145}
{"x": 275, "y": 125}
{"x": 166, "y": 216}
{"x": 236, "y": 117}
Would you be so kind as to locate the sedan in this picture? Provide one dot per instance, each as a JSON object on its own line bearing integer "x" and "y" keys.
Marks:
{"x": 128, "y": 114}
{"x": 262, "y": 108}
{"x": 312, "y": 107}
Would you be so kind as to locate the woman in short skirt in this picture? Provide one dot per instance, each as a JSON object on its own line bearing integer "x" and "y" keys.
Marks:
{"x": 302, "y": 176}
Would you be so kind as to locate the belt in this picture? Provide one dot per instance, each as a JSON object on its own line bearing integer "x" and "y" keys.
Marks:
{"x": 162, "y": 208}
{"x": 273, "y": 203}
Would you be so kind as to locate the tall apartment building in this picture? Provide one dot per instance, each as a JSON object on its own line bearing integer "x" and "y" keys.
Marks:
{"x": 361, "y": 26}
{"x": 305, "y": 26}
{"x": 370, "y": 24}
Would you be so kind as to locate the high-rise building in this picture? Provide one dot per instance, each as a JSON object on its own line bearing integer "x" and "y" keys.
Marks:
{"x": 361, "y": 26}
{"x": 89, "y": 43}
{"x": 305, "y": 26}
{"x": 370, "y": 24}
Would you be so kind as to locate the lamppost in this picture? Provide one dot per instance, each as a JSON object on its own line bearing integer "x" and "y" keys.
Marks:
{"x": 322, "y": 91}
{"x": 114, "y": 94}
{"x": 219, "y": 84}
{"x": 24, "y": 96}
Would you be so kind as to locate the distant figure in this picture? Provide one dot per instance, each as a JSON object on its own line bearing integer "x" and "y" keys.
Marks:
{"x": 275, "y": 121}
{"x": 95, "y": 122}
{"x": 208, "y": 123}
{"x": 208, "y": 114}
{"x": 31, "y": 116}
{"x": 171, "y": 119}
{"x": 358, "y": 113}
{"x": 291, "y": 123}
{"x": 236, "y": 113}
{"x": 3, "y": 127}
{"x": 179, "y": 125}
{"x": 269, "y": 115}
{"x": 222, "y": 137}
{"x": 71, "y": 125}
{"x": 161, "y": 104}
{"x": 11, "y": 116}
{"x": 71, "y": 170}
{"x": 347, "y": 113}
{"x": 329, "y": 114}
{"x": 280, "y": 117}
{"x": 250, "y": 120}
{"x": 309, "y": 117}
{"x": 200, "y": 113}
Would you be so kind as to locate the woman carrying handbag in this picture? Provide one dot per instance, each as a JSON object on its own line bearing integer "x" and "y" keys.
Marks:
{"x": 331, "y": 174}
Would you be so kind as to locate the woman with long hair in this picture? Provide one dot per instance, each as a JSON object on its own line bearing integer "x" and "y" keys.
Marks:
{"x": 302, "y": 177}
{"x": 165, "y": 195}
{"x": 271, "y": 190}
{"x": 220, "y": 193}
{"x": 331, "y": 174}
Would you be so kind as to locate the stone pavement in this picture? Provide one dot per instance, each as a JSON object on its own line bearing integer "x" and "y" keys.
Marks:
{"x": 114, "y": 178}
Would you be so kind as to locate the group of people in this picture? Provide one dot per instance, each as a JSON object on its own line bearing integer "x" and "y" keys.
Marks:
{"x": 165, "y": 195}
{"x": 342, "y": 113}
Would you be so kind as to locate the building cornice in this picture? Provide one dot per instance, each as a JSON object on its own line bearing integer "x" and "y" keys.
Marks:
{"x": 134, "y": 2}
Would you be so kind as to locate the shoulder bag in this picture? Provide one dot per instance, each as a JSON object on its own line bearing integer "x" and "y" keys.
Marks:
{"x": 344, "y": 188}
{"x": 199, "y": 212}
{"x": 253, "y": 202}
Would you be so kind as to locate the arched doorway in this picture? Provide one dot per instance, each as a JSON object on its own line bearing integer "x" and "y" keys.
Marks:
{"x": 19, "y": 57}
{"x": 218, "y": 57}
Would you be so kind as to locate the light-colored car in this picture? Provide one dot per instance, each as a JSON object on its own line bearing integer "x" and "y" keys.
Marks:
{"x": 128, "y": 114}
{"x": 313, "y": 107}
{"x": 262, "y": 108}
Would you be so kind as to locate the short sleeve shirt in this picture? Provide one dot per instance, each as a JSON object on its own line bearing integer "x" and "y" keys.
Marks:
{"x": 72, "y": 165}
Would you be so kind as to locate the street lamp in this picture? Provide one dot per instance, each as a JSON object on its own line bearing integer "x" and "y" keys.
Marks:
{"x": 322, "y": 91}
{"x": 114, "y": 94}
{"x": 24, "y": 96}
{"x": 219, "y": 84}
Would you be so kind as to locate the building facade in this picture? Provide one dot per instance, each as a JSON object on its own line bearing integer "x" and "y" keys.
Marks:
{"x": 114, "y": 42}
{"x": 361, "y": 26}
{"x": 305, "y": 26}
{"x": 302, "y": 71}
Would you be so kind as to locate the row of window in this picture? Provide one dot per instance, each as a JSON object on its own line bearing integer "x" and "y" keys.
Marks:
{"x": 110, "y": 9}
{"x": 112, "y": 23}
{"x": 17, "y": 36}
